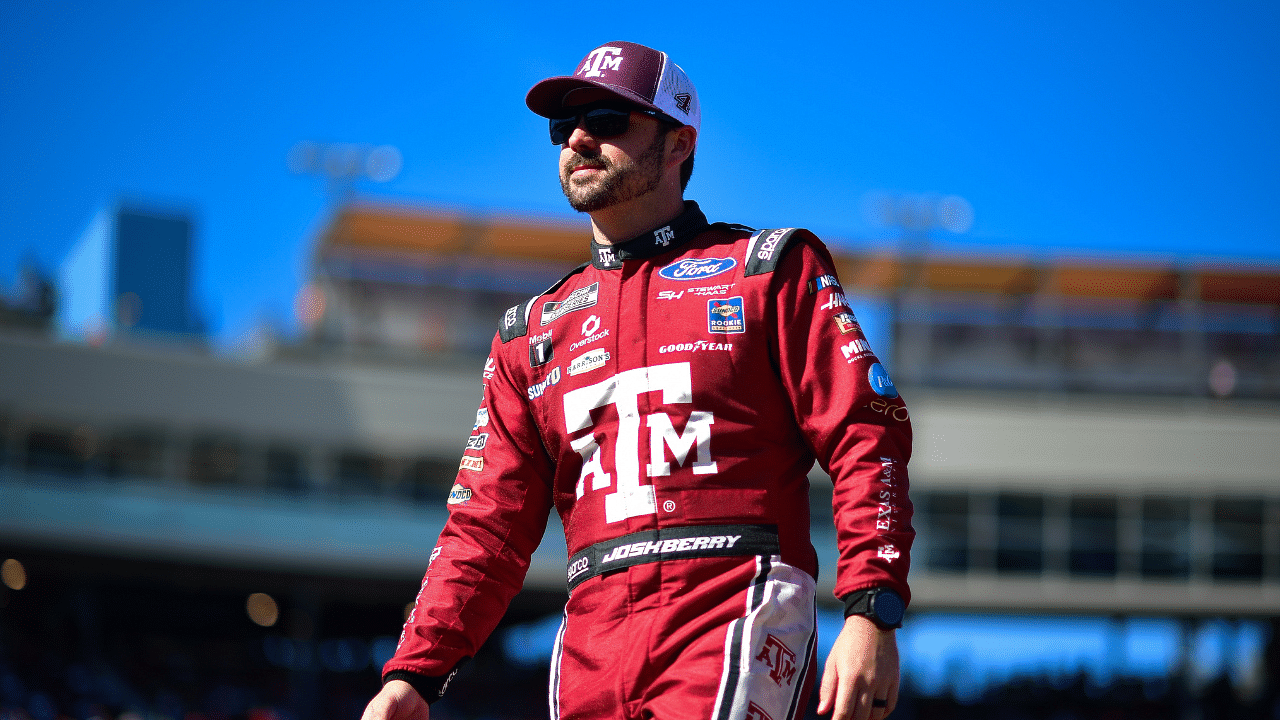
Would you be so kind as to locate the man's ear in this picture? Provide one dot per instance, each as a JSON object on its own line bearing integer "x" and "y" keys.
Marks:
{"x": 680, "y": 145}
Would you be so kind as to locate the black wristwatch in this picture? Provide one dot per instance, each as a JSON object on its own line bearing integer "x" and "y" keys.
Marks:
{"x": 882, "y": 606}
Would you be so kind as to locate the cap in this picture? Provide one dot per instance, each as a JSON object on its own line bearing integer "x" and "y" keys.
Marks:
{"x": 636, "y": 73}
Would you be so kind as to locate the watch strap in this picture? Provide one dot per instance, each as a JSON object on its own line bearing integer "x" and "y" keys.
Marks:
{"x": 860, "y": 602}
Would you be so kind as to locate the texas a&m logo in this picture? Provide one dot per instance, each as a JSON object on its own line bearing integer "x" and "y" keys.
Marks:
{"x": 779, "y": 659}
{"x": 601, "y": 59}
{"x": 755, "y": 712}
{"x": 629, "y": 498}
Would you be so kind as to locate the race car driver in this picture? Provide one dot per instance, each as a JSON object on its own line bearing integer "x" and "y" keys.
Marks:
{"x": 668, "y": 399}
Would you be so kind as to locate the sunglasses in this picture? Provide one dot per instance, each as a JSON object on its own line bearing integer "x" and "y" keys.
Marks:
{"x": 604, "y": 121}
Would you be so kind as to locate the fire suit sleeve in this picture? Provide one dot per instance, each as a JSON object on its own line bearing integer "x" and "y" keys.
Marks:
{"x": 851, "y": 415}
{"x": 498, "y": 510}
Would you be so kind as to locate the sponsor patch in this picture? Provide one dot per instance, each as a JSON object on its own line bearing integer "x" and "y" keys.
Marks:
{"x": 765, "y": 249}
{"x": 888, "y": 409}
{"x": 857, "y": 348}
{"x": 534, "y": 340}
{"x": 457, "y": 496}
{"x": 697, "y": 269}
{"x": 705, "y": 291}
{"x": 579, "y": 299}
{"x": 482, "y": 419}
{"x": 578, "y": 567}
{"x": 541, "y": 353}
{"x": 588, "y": 340}
{"x": 696, "y": 346}
{"x": 846, "y": 322}
{"x": 836, "y": 301}
{"x": 879, "y": 380}
{"x": 552, "y": 378}
{"x": 511, "y": 317}
{"x": 725, "y": 316}
{"x": 477, "y": 442}
{"x": 588, "y": 361}
{"x": 472, "y": 463}
{"x": 489, "y": 367}
{"x": 822, "y": 282}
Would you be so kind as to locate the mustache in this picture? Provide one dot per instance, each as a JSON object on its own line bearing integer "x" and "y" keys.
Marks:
{"x": 577, "y": 159}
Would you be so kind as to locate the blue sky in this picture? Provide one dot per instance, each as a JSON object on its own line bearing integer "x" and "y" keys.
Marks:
{"x": 1137, "y": 129}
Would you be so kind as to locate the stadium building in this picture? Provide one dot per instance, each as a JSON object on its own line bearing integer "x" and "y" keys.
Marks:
{"x": 184, "y": 533}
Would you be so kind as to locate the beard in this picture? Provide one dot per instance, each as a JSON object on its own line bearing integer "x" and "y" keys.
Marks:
{"x": 615, "y": 183}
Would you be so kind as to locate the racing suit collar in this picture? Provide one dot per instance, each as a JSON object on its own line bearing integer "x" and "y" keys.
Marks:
{"x": 684, "y": 228}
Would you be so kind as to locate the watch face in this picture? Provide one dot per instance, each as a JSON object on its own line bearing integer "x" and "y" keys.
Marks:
{"x": 888, "y": 607}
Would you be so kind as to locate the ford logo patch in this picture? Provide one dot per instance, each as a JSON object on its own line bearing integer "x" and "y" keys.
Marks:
{"x": 697, "y": 269}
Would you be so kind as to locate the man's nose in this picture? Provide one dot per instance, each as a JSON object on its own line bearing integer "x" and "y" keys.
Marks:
{"x": 580, "y": 140}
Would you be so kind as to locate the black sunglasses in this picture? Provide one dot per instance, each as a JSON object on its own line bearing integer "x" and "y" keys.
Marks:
{"x": 602, "y": 121}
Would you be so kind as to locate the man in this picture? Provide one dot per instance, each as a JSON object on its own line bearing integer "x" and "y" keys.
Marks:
{"x": 668, "y": 400}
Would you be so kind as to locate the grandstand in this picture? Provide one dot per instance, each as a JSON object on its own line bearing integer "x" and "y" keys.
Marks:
{"x": 1091, "y": 438}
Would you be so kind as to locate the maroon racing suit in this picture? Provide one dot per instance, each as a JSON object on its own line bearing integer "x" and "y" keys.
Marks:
{"x": 669, "y": 399}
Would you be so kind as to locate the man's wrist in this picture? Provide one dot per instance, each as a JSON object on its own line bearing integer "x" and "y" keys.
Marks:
{"x": 428, "y": 688}
{"x": 881, "y": 605}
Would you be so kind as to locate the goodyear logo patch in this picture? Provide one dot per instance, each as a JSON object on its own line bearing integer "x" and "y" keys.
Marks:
{"x": 726, "y": 316}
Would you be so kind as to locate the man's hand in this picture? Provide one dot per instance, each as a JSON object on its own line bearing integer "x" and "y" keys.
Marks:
{"x": 397, "y": 701}
{"x": 861, "y": 670}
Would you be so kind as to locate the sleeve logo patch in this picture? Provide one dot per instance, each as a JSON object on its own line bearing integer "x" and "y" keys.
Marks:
{"x": 846, "y": 322}
{"x": 472, "y": 463}
{"x": 457, "y": 496}
{"x": 879, "y": 380}
{"x": 726, "y": 316}
{"x": 823, "y": 282}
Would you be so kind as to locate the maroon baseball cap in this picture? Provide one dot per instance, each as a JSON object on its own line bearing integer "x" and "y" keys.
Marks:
{"x": 636, "y": 73}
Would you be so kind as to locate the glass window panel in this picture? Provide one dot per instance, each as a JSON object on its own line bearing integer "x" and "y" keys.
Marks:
{"x": 1166, "y": 537}
{"x": 1019, "y": 533}
{"x": 1093, "y": 536}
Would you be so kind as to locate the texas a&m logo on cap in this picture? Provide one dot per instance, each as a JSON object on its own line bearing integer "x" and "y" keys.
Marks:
{"x": 606, "y": 57}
